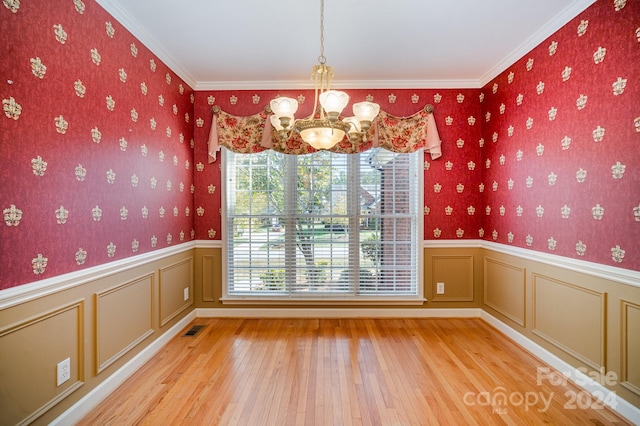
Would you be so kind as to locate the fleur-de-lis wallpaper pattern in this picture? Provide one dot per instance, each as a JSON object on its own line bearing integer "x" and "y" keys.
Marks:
{"x": 78, "y": 154}
{"x": 399, "y": 102}
{"x": 562, "y": 135}
{"x": 530, "y": 160}
{"x": 97, "y": 164}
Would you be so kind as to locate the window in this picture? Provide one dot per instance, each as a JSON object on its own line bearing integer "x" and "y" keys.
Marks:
{"x": 323, "y": 225}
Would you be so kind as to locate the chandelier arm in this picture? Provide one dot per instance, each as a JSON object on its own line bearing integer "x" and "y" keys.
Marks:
{"x": 323, "y": 89}
{"x": 315, "y": 97}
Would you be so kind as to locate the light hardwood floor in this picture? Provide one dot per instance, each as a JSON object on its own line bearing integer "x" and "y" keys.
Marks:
{"x": 343, "y": 372}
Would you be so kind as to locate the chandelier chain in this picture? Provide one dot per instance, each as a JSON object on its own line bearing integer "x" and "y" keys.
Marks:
{"x": 324, "y": 127}
{"x": 322, "y": 58}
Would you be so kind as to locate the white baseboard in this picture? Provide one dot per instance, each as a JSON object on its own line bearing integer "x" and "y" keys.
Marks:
{"x": 91, "y": 400}
{"x": 617, "y": 404}
{"x": 336, "y": 313}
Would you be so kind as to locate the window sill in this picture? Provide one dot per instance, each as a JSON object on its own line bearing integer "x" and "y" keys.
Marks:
{"x": 323, "y": 301}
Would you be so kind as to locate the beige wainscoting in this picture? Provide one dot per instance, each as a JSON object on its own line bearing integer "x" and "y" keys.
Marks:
{"x": 124, "y": 318}
{"x": 208, "y": 277}
{"x": 103, "y": 322}
{"x": 570, "y": 317}
{"x": 630, "y": 345}
{"x": 176, "y": 289}
{"x": 460, "y": 268}
{"x": 100, "y": 321}
{"x": 31, "y": 348}
{"x": 455, "y": 273}
{"x": 505, "y": 289}
{"x": 587, "y": 320}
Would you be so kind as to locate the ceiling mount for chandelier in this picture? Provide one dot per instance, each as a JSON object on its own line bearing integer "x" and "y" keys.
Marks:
{"x": 323, "y": 128}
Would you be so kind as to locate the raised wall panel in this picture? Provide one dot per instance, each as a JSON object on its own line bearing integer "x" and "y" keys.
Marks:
{"x": 173, "y": 280}
{"x": 30, "y": 351}
{"x": 504, "y": 289}
{"x": 456, "y": 272}
{"x": 630, "y": 346}
{"x": 210, "y": 269}
{"x": 124, "y": 317}
{"x": 572, "y": 318}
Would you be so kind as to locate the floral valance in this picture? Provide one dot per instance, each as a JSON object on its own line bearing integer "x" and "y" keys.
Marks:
{"x": 254, "y": 133}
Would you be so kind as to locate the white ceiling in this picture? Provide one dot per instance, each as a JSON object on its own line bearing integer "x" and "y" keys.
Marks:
{"x": 258, "y": 44}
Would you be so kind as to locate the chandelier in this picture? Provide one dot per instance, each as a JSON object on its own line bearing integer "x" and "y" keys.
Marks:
{"x": 323, "y": 128}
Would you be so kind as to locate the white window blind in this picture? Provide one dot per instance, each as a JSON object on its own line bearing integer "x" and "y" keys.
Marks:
{"x": 322, "y": 225}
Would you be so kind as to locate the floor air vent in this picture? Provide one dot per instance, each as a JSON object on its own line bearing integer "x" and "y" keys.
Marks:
{"x": 193, "y": 330}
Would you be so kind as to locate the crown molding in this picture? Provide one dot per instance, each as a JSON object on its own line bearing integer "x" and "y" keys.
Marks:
{"x": 557, "y": 22}
{"x": 117, "y": 11}
{"x": 339, "y": 84}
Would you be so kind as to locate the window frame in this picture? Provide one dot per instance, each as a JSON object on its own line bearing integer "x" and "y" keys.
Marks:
{"x": 325, "y": 298}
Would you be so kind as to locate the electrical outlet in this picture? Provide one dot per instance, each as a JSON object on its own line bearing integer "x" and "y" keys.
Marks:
{"x": 186, "y": 293}
{"x": 64, "y": 371}
{"x": 440, "y": 288}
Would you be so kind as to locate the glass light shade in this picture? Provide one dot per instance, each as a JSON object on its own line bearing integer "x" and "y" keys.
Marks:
{"x": 355, "y": 124}
{"x": 366, "y": 111}
{"x": 334, "y": 101}
{"x": 284, "y": 107}
{"x": 322, "y": 137}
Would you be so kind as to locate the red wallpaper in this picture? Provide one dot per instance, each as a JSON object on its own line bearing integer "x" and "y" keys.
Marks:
{"x": 565, "y": 161}
{"x": 112, "y": 124}
{"x": 450, "y": 181}
{"x": 115, "y": 128}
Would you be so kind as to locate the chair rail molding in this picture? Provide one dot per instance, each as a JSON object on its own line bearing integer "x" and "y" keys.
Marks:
{"x": 621, "y": 275}
{"x": 24, "y": 293}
